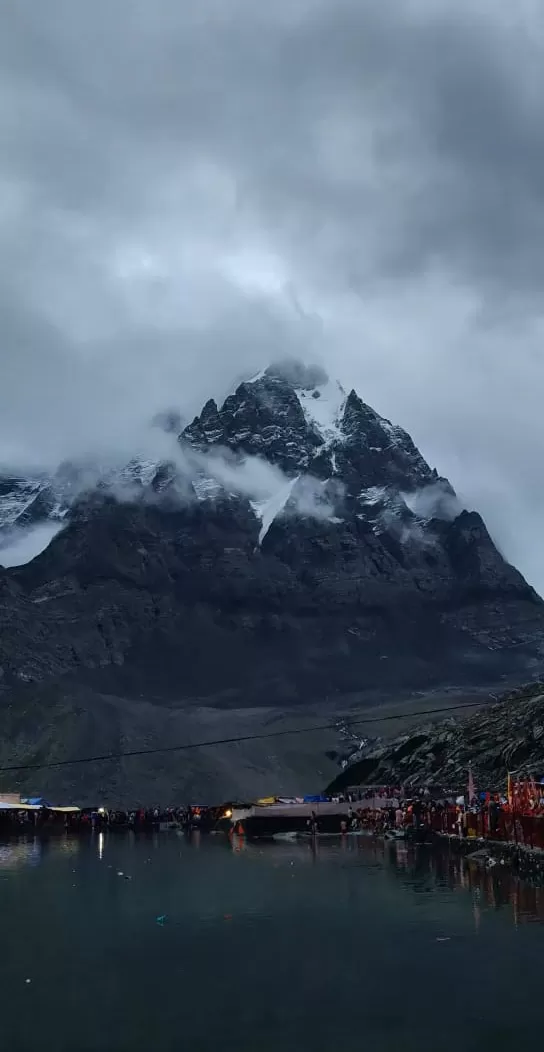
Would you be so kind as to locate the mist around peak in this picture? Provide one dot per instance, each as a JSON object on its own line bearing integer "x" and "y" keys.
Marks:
{"x": 298, "y": 373}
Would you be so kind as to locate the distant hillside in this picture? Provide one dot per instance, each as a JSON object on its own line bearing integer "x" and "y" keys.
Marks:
{"x": 507, "y": 736}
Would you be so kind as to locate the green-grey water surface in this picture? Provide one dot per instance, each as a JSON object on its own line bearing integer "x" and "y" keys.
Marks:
{"x": 147, "y": 944}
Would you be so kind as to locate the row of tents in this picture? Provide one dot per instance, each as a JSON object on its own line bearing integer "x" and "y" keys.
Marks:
{"x": 268, "y": 801}
{"x": 15, "y": 802}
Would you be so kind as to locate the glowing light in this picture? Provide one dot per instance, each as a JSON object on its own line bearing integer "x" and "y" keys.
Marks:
{"x": 100, "y": 845}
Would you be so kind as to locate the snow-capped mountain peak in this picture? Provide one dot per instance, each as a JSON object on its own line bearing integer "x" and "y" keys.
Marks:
{"x": 289, "y": 541}
{"x": 317, "y": 453}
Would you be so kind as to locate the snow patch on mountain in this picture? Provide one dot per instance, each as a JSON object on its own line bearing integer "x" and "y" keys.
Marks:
{"x": 323, "y": 408}
{"x": 373, "y": 495}
{"x": 207, "y": 488}
{"x": 397, "y": 435}
{"x": 269, "y": 510}
{"x": 16, "y": 497}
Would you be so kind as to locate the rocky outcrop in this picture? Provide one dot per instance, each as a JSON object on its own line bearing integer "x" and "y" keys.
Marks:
{"x": 24, "y": 502}
{"x": 503, "y": 737}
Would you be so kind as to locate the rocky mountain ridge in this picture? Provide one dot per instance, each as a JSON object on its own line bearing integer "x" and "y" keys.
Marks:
{"x": 293, "y": 548}
{"x": 354, "y": 566}
{"x": 502, "y": 737}
{"x": 292, "y": 417}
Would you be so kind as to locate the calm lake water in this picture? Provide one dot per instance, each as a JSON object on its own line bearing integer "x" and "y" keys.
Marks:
{"x": 351, "y": 946}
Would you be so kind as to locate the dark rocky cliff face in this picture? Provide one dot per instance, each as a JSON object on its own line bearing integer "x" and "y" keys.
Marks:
{"x": 351, "y": 568}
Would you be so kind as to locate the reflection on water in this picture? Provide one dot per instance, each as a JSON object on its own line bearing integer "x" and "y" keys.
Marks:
{"x": 495, "y": 888}
{"x": 421, "y": 868}
{"x": 424, "y": 869}
{"x": 18, "y": 852}
{"x": 159, "y": 942}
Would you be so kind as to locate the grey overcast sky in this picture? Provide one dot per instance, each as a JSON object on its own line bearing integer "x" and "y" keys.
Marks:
{"x": 188, "y": 190}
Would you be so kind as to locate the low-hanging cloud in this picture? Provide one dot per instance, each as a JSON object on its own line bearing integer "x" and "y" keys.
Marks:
{"x": 261, "y": 482}
{"x": 192, "y": 475}
{"x": 188, "y": 192}
{"x": 434, "y": 502}
{"x": 24, "y": 544}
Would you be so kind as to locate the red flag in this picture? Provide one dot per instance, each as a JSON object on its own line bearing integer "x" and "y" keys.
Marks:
{"x": 471, "y": 789}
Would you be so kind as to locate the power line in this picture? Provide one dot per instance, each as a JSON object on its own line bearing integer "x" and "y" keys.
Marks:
{"x": 233, "y": 741}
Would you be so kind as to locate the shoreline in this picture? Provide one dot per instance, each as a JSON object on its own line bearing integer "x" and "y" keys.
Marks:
{"x": 485, "y": 855}
{"x": 526, "y": 862}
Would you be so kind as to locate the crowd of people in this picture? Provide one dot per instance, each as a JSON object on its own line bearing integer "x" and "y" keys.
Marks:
{"x": 516, "y": 816}
{"x": 101, "y": 818}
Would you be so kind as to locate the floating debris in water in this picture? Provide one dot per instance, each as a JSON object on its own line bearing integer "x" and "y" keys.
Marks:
{"x": 161, "y": 919}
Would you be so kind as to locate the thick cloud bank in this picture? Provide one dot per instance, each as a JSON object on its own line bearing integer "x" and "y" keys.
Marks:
{"x": 189, "y": 190}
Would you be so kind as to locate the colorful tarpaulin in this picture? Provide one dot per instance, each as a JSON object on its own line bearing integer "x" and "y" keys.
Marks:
{"x": 18, "y": 807}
